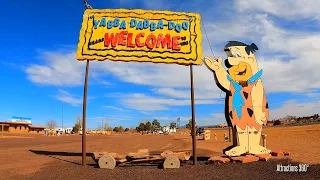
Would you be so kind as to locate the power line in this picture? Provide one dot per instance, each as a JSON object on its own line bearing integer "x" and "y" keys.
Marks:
{"x": 205, "y": 31}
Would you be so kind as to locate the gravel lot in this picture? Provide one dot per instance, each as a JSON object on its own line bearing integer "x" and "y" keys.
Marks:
{"x": 25, "y": 156}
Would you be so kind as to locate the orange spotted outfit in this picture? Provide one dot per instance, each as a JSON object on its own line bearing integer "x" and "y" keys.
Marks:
{"x": 241, "y": 112}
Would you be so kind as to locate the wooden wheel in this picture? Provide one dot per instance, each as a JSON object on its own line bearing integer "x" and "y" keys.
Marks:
{"x": 107, "y": 161}
{"x": 171, "y": 162}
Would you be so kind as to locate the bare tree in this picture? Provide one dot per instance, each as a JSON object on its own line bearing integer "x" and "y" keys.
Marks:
{"x": 99, "y": 127}
{"x": 79, "y": 120}
{"x": 78, "y": 124}
{"x": 106, "y": 126}
{"x": 52, "y": 124}
{"x": 189, "y": 125}
{"x": 173, "y": 125}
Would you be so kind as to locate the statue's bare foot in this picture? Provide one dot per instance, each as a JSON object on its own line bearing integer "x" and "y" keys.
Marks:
{"x": 259, "y": 150}
{"x": 237, "y": 151}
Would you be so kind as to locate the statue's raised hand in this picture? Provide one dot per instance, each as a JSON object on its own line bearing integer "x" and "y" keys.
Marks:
{"x": 212, "y": 64}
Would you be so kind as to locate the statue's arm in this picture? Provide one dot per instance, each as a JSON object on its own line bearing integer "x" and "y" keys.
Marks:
{"x": 221, "y": 78}
{"x": 257, "y": 95}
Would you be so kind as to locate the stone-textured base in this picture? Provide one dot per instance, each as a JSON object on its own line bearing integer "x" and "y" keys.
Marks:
{"x": 264, "y": 157}
{"x": 218, "y": 160}
{"x": 280, "y": 153}
{"x": 246, "y": 158}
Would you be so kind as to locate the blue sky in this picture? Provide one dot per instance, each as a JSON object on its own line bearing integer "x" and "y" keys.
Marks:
{"x": 40, "y": 73}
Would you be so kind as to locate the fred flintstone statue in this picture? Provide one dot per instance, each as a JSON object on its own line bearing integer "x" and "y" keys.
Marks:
{"x": 246, "y": 104}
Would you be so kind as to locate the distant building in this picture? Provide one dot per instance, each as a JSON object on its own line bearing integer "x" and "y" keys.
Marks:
{"x": 68, "y": 130}
{"x": 48, "y": 132}
{"x": 269, "y": 123}
{"x": 63, "y": 130}
{"x": 168, "y": 129}
{"x": 59, "y": 130}
{"x": 20, "y": 127}
{"x": 223, "y": 125}
{"x": 36, "y": 129}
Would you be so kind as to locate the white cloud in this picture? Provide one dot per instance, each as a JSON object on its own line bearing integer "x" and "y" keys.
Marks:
{"x": 179, "y": 93}
{"x": 221, "y": 32}
{"x": 166, "y": 118}
{"x": 144, "y": 102}
{"x": 313, "y": 94}
{"x": 298, "y": 74}
{"x": 290, "y": 9}
{"x": 106, "y": 83}
{"x": 115, "y": 108}
{"x": 292, "y": 107}
{"x": 66, "y": 97}
{"x": 200, "y": 120}
{"x": 59, "y": 69}
{"x": 159, "y": 4}
{"x": 208, "y": 121}
{"x": 218, "y": 115}
{"x": 145, "y": 112}
{"x": 173, "y": 92}
{"x": 111, "y": 117}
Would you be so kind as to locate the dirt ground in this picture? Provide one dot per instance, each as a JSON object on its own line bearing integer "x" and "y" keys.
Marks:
{"x": 26, "y": 156}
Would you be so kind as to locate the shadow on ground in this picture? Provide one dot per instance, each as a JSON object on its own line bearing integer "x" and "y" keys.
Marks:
{"x": 53, "y": 154}
{"x": 57, "y": 155}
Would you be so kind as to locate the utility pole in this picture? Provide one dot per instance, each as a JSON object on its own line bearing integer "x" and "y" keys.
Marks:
{"x": 62, "y": 121}
{"x": 102, "y": 125}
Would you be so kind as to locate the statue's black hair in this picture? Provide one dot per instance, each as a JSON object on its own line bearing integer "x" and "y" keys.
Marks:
{"x": 249, "y": 48}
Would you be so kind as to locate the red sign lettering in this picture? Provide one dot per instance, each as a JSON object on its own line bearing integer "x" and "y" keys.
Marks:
{"x": 124, "y": 38}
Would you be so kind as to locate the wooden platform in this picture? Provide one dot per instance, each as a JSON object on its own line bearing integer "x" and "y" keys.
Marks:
{"x": 168, "y": 159}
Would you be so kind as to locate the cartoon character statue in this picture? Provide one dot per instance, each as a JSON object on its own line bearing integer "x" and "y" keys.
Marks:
{"x": 246, "y": 104}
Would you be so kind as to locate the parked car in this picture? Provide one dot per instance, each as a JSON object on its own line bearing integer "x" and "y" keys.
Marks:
{"x": 199, "y": 131}
{"x": 160, "y": 132}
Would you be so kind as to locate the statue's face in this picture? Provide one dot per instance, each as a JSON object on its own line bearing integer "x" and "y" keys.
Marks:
{"x": 240, "y": 62}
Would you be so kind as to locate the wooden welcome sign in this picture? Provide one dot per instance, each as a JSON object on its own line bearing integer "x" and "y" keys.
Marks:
{"x": 140, "y": 35}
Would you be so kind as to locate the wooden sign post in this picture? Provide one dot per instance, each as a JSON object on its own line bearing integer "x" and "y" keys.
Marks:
{"x": 84, "y": 116}
{"x": 193, "y": 131}
{"x": 2, "y": 130}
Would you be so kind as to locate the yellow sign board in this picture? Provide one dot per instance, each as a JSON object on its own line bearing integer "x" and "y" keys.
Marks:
{"x": 140, "y": 35}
